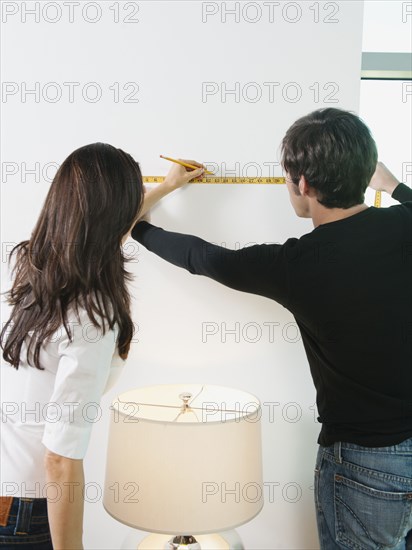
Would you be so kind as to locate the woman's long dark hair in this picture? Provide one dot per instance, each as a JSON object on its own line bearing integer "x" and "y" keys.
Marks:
{"x": 74, "y": 256}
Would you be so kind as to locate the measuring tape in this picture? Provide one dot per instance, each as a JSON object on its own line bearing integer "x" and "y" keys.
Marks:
{"x": 378, "y": 199}
{"x": 261, "y": 181}
{"x": 219, "y": 179}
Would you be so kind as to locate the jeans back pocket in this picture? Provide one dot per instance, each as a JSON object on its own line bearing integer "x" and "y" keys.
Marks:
{"x": 367, "y": 518}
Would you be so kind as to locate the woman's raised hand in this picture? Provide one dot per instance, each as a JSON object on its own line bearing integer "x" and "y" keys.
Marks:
{"x": 178, "y": 175}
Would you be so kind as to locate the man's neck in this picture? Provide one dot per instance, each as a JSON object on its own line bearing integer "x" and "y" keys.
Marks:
{"x": 321, "y": 215}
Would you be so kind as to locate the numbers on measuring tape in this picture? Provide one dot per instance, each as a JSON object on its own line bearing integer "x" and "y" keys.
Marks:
{"x": 222, "y": 180}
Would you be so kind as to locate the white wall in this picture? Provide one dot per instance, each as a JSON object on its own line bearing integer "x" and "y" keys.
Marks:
{"x": 168, "y": 54}
{"x": 391, "y": 128}
{"x": 386, "y": 106}
{"x": 387, "y": 26}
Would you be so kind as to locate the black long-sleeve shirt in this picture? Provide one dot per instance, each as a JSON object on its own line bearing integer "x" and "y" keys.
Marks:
{"x": 348, "y": 284}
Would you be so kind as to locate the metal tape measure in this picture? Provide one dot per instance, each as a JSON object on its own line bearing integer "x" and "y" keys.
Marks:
{"x": 219, "y": 179}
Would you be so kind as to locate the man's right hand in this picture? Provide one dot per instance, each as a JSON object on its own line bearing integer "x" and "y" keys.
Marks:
{"x": 383, "y": 179}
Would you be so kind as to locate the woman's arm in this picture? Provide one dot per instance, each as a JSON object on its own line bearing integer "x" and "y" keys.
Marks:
{"x": 65, "y": 508}
{"x": 84, "y": 367}
{"x": 177, "y": 177}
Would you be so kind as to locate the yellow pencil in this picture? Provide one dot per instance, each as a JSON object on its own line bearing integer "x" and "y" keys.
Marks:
{"x": 184, "y": 164}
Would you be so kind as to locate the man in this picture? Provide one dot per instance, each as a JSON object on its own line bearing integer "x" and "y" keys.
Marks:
{"x": 348, "y": 284}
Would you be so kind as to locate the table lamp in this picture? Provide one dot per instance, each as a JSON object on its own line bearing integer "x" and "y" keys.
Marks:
{"x": 184, "y": 462}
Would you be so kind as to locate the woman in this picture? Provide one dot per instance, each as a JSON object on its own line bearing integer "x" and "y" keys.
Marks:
{"x": 67, "y": 338}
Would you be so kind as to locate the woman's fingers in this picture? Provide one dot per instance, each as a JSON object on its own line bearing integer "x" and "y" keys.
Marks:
{"x": 192, "y": 162}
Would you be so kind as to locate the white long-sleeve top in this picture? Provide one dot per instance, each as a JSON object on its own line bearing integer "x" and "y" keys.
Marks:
{"x": 54, "y": 408}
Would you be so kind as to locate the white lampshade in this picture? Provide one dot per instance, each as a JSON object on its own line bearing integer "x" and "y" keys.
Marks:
{"x": 191, "y": 472}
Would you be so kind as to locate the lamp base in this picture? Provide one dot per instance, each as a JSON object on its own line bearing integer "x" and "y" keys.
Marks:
{"x": 182, "y": 542}
{"x": 225, "y": 540}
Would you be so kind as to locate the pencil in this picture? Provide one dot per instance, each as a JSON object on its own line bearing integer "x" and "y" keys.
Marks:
{"x": 184, "y": 164}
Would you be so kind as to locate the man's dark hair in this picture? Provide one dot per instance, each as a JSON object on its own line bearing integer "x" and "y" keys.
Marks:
{"x": 335, "y": 152}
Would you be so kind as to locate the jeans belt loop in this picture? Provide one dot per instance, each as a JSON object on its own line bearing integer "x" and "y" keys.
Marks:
{"x": 24, "y": 516}
{"x": 337, "y": 451}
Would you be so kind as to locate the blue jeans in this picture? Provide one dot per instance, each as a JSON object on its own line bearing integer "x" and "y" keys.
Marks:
{"x": 27, "y": 526}
{"x": 363, "y": 496}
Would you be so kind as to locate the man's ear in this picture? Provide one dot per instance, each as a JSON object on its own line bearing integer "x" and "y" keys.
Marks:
{"x": 303, "y": 186}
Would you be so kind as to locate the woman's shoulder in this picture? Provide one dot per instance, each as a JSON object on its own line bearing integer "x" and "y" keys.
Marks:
{"x": 92, "y": 310}
{"x": 83, "y": 325}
